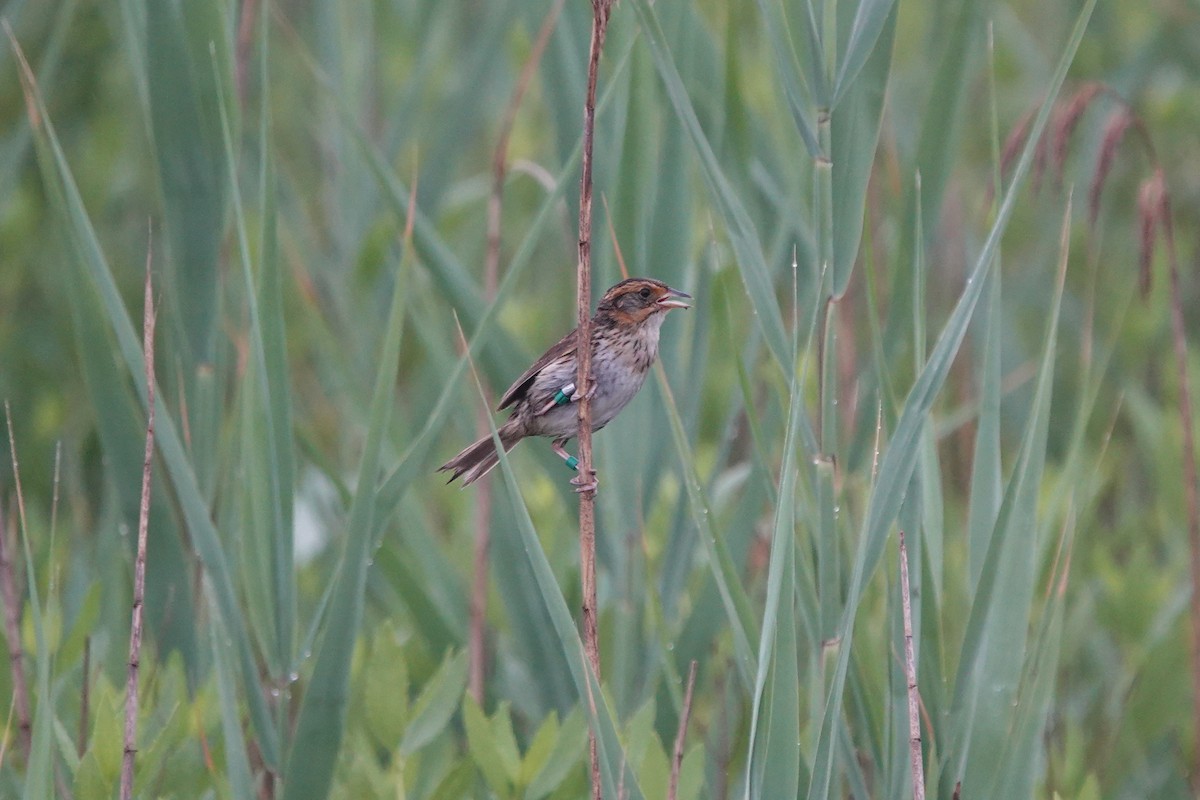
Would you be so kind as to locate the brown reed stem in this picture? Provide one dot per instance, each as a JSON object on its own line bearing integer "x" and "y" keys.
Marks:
{"x": 12, "y": 632}
{"x": 910, "y": 671}
{"x": 601, "y": 10}
{"x": 681, "y": 733}
{"x": 139, "y": 574}
{"x": 477, "y": 638}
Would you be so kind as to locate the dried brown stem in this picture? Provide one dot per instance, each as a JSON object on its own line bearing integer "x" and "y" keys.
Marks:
{"x": 85, "y": 697}
{"x": 245, "y": 39}
{"x": 1192, "y": 486}
{"x": 12, "y": 631}
{"x": 139, "y": 574}
{"x": 910, "y": 671}
{"x": 477, "y": 641}
{"x": 601, "y": 10}
{"x": 677, "y": 759}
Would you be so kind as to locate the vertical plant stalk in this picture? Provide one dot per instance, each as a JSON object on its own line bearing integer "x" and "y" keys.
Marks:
{"x": 85, "y": 698}
{"x": 677, "y": 757}
{"x": 910, "y": 672}
{"x": 1192, "y": 487}
{"x": 139, "y": 572}
{"x": 12, "y": 632}
{"x": 477, "y": 641}
{"x": 601, "y": 9}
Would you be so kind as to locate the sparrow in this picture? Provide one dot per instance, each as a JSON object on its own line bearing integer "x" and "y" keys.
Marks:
{"x": 624, "y": 340}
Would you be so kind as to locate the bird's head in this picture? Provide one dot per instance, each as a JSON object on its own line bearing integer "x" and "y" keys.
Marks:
{"x": 634, "y": 300}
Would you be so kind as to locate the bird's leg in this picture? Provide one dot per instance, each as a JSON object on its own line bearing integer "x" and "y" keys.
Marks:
{"x": 561, "y": 452}
{"x": 566, "y": 394}
{"x": 591, "y": 392}
{"x": 578, "y": 481}
{"x": 590, "y": 483}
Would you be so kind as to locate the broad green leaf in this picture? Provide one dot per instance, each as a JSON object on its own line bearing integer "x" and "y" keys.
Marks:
{"x": 868, "y": 30}
{"x": 436, "y": 703}
{"x": 569, "y": 748}
{"x": 484, "y": 749}
{"x": 854, "y": 133}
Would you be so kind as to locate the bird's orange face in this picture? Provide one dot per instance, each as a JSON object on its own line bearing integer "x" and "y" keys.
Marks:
{"x": 634, "y": 300}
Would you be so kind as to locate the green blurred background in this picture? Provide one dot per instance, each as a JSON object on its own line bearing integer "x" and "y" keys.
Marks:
{"x": 309, "y": 576}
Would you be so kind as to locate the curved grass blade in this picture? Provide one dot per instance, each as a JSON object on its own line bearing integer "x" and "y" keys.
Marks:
{"x": 271, "y": 392}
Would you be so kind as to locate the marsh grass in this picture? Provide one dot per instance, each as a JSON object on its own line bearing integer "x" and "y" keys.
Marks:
{"x": 863, "y": 357}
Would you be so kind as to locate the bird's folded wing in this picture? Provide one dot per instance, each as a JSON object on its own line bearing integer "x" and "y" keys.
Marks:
{"x": 565, "y": 348}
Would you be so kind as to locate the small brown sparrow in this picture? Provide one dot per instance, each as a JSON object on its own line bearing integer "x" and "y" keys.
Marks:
{"x": 624, "y": 337}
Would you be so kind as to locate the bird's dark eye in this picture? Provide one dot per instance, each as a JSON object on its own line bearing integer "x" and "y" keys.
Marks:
{"x": 645, "y": 293}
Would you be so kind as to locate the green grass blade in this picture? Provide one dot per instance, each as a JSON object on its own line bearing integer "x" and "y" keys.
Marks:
{"x": 39, "y": 772}
{"x": 994, "y": 645}
{"x": 789, "y": 72}
{"x": 271, "y": 392}
{"x": 184, "y": 95}
{"x": 774, "y": 766}
{"x": 237, "y": 765}
{"x": 871, "y": 20}
{"x": 854, "y": 133}
{"x": 322, "y": 715}
{"x": 936, "y": 148}
{"x": 733, "y": 596}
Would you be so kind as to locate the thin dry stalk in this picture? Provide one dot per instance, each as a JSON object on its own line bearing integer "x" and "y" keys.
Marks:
{"x": 677, "y": 759}
{"x": 245, "y": 39}
{"x": 139, "y": 574}
{"x": 12, "y": 631}
{"x": 477, "y": 640}
{"x": 612, "y": 234}
{"x": 85, "y": 697}
{"x": 601, "y": 10}
{"x": 1191, "y": 484}
{"x": 910, "y": 671}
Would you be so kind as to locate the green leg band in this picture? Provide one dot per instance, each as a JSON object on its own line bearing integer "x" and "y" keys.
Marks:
{"x": 573, "y": 463}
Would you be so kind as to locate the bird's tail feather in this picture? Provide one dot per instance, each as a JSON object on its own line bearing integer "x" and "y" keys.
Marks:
{"x": 479, "y": 458}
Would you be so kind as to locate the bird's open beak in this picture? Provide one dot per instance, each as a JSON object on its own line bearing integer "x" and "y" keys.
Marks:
{"x": 668, "y": 300}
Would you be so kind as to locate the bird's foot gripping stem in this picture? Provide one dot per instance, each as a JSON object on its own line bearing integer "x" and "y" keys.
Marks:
{"x": 581, "y": 484}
